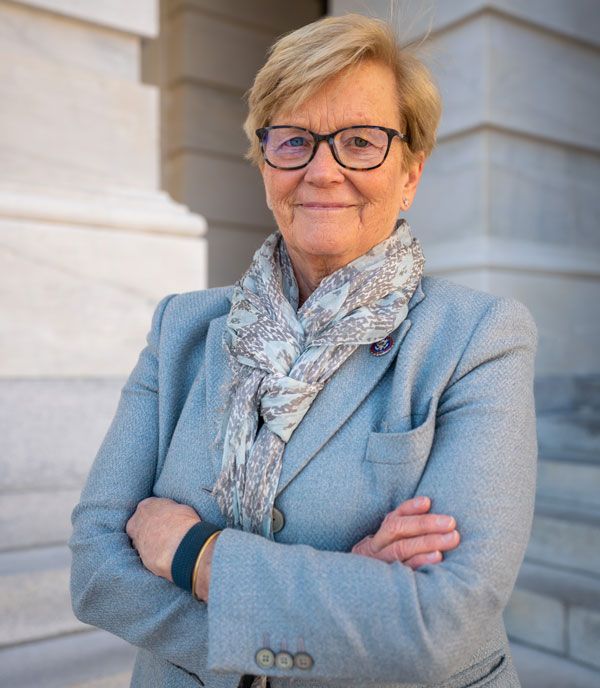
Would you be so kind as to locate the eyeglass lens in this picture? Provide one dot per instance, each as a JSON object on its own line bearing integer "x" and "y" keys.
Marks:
{"x": 358, "y": 147}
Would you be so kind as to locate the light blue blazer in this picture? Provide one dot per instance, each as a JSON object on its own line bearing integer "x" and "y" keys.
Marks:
{"x": 448, "y": 412}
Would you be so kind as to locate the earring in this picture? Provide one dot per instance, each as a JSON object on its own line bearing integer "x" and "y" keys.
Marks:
{"x": 405, "y": 201}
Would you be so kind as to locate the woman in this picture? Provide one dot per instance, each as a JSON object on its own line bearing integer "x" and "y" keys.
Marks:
{"x": 384, "y": 396}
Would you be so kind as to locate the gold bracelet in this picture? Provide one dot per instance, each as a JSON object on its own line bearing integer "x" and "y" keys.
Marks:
{"x": 197, "y": 564}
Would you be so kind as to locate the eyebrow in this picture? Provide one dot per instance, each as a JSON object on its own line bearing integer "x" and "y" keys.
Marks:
{"x": 369, "y": 123}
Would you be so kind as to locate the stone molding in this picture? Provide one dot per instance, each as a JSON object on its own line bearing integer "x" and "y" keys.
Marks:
{"x": 484, "y": 252}
{"x": 126, "y": 209}
{"x": 138, "y": 17}
{"x": 578, "y": 21}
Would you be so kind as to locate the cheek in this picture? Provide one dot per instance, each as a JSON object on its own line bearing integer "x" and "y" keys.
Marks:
{"x": 279, "y": 188}
{"x": 385, "y": 189}
{"x": 377, "y": 190}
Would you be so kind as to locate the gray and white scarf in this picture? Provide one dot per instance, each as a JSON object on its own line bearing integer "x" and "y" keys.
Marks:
{"x": 281, "y": 356}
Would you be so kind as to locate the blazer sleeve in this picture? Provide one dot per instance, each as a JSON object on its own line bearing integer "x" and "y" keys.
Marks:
{"x": 361, "y": 618}
{"x": 110, "y": 587}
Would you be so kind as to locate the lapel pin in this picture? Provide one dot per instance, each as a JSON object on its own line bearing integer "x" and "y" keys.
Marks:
{"x": 382, "y": 346}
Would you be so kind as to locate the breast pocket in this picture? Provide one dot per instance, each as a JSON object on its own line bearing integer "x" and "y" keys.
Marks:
{"x": 411, "y": 446}
{"x": 489, "y": 673}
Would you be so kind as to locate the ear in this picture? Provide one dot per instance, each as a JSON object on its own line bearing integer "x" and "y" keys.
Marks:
{"x": 414, "y": 174}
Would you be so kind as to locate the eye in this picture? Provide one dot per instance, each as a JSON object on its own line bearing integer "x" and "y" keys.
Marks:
{"x": 359, "y": 142}
{"x": 295, "y": 142}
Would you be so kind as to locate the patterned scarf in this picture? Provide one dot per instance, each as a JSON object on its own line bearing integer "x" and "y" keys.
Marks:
{"x": 281, "y": 356}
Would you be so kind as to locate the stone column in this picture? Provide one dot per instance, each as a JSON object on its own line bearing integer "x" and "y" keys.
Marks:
{"x": 206, "y": 58}
{"x": 508, "y": 201}
{"x": 89, "y": 243}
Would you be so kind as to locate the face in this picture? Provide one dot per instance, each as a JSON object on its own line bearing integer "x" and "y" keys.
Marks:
{"x": 329, "y": 215}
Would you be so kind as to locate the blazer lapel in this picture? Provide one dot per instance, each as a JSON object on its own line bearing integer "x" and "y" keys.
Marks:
{"x": 341, "y": 396}
{"x": 218, "y": 375}
{"x": 336, "y": 402}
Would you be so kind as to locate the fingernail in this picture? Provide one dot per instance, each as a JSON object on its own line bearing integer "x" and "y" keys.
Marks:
{"x": 445, "y": 521}
{"x": 449, "y": 537}
{"x": 421, "y": 501}
{"x": 434, "y": 556}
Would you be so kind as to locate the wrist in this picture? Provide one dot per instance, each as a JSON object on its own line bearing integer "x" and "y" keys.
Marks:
{"x": 202, "y": 569}
{"x": 178, "y": 536}
{"x": 183, "y": 565}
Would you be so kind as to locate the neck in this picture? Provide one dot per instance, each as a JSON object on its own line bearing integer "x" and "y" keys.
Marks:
{"x": 310, "y": 270}
{"x": 309, "y": 273}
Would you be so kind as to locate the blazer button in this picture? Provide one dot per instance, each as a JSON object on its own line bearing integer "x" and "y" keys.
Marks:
{"x": 278, "y": 520}
{"x": 303, "y": 660}
{"x": 265, "y": 658}
{"x": 284, "y": 660}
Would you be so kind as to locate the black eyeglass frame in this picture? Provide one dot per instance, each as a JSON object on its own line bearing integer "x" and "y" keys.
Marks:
{"x": 391, "y": 133}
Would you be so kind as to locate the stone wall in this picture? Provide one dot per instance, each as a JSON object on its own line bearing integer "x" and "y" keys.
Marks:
{"x": 205, "y": 60}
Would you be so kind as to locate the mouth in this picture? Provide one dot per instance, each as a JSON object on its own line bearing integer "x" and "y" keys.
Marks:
{"x": 325, "y": 206}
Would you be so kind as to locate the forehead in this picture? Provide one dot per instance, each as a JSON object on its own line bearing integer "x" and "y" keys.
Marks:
{"x": 363, "y": 94}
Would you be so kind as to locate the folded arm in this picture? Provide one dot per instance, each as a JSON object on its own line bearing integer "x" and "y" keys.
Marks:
{"x": 360, "y": 618}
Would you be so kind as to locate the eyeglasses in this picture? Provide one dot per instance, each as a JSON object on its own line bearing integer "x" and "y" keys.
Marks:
{"x": 355, "y": 148}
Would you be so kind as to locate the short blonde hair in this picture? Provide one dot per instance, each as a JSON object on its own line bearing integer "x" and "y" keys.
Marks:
{"x": 300, "y": 62}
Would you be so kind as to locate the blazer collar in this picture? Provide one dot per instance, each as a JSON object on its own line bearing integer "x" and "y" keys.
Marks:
{"x": 339, "y": 398}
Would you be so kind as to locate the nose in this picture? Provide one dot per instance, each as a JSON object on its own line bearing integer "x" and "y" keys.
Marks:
{"x": 323, "y": 168}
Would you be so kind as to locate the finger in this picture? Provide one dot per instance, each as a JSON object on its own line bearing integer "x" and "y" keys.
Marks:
{"x": 132, "y": 536}
{"x": 130, "y": 527}
{"x": 395, "y": 527}
{"x": 416, "y": 505}
{"x": 364, "y": 547}
{"x": 402, "y": 550}
{"x": 424, "y": 559}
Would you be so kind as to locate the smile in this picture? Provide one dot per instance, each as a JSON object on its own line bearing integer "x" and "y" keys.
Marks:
{"x": 328, "y": 206}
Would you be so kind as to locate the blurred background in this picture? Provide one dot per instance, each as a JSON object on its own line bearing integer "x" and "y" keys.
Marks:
{"x": 122, "y": 179}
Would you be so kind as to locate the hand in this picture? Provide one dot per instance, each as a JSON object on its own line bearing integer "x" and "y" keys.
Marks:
{"x": 156, "y": 529}
{"x": 410, "y": 535}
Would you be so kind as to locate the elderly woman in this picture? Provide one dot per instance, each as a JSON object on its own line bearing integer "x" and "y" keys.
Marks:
{"x": 279, "y": 497}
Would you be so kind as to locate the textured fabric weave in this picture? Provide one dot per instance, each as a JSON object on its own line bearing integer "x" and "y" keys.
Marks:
{"x": 282, "y": 356}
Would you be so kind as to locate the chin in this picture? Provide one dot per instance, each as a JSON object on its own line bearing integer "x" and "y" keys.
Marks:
{"x": 324, "y": 244}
